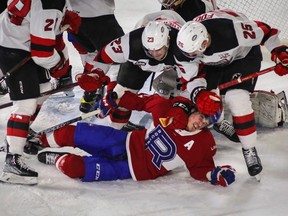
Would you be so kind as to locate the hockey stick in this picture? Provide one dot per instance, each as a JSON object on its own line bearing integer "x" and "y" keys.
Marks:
{"x": 15, "y": 68}
{"x": 50, "y": 92}
{"x": 243, "y": 79}
{"x": 55, "y": 127}
{"x": 237, "y": 81}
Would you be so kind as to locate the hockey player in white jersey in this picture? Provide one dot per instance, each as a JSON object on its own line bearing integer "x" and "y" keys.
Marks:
{"x": 228, "y": 43}
{"x": 98, "y": 27}
{"x": 28, "y": 32}
{"x": 140, "y": 52}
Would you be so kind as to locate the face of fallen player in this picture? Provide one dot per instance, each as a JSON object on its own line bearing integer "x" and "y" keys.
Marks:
{"x": 197, "y": 121}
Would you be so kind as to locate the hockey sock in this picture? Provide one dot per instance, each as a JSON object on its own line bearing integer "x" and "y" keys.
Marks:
{"x": 71, "y": 165}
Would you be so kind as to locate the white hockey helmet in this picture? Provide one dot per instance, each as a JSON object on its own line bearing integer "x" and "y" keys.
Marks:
{"x": 191, "y": 38}
{"x": 168, "y": 4}
{"x": 155, "y": 36}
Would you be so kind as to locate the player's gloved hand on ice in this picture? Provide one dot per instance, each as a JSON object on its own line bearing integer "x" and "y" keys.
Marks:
{"x": 61, "y": 68}
{"x": 207, "y": 102}
{"x": 71, "y": 20}
{"x": 93, "y": 80}
{"x": 222, "y": 175}
{"x": 177, "y": 116}
{"x": 107, "y": 104}
{"x": 280, "y": 57}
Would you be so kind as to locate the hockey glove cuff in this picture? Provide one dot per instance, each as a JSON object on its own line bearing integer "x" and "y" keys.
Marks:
{"x": 207, "y": 102}
{"x": 222, "y": 175}
{"x": 71, "y": 20}
{"x": 107, "y": 104}
{"x": 61, "y": 68}
{"x": 93, "y": 80}
{"x": 280, "y": 57}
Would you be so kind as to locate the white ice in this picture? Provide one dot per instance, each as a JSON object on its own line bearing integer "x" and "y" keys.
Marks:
{"x": 175, "y": 194}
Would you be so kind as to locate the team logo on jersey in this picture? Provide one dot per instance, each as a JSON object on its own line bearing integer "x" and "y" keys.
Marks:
{"x": 161, "y": 146}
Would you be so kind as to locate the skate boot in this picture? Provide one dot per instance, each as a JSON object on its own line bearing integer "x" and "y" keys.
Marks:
{"x": 15, "y": 171}
{"x": 49, "y": 157}
{"x": 33, "y": 146}
{"x": 226, "y": 128}
{"x": 3, "y": 88}
{"x": 64, "y": 81}
{"x": 89, "y": 99}
{"x": 253, "y": 161}
{"x": 5, "y": 146}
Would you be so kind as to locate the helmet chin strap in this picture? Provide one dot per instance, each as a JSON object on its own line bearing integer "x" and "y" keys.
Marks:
{"x": 166, "y": 52}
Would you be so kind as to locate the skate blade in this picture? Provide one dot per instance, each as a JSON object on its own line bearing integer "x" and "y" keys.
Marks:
{"x": 64, "y": 94}
{"x": 12, "y": 178}
{"x": 258, "y": 177}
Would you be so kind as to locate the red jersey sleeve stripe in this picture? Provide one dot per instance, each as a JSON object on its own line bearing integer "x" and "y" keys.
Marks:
{"x": 103, "y": 57}
{"x": 42, "y": 47}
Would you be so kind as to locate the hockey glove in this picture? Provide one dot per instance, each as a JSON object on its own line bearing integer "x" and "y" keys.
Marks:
{"x": 93, "y": 80}
{"x": 107, "y": 104}
{"x": 71, "y": 20}
{"x": 280, "y": 57}
{"x": 61, "y": 68}
{"x": 222, "y": 175}
{"x": 207, "y": 102}
{"x": 177, "y": 116}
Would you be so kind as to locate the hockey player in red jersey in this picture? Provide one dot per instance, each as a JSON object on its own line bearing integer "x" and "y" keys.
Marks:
{"x": 28, "y": 31}
{"x": 177, "y": 138}
{"x": 228, "y": 43}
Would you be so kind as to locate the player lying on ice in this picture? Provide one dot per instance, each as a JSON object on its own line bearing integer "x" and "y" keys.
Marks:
{"x": 178, "y": 137}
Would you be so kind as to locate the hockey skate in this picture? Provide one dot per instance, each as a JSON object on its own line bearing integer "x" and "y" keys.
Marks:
{"x": 15, "y": 171}
{"x": 49, "y": 157}
{"x": 131, "y": 126}
{"x": 89, "y": 99}
{"x": 253, "y": 162}
{"x": 226, "y": 128}
{"x": 5, "y": 146}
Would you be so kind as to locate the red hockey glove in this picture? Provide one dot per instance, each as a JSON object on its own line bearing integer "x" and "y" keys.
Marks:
{"x": 107, "y": 104}
{"x": 177, "y": 116}
{"x": 93, "y": 80}
{"x": 207, "y": 102}
{"x": 222, "y": 175}
{"x": 280, "y": 57}
{"x": 73, "y": 20}
{"x": 61, "y": 68}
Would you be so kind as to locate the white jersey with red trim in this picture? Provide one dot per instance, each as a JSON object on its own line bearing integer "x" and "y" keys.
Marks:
{"x": 130, "y": 48}
{"x": 93, "y": 8}
{"x": 32, "y": 25}
{"x": 232, "y": 37}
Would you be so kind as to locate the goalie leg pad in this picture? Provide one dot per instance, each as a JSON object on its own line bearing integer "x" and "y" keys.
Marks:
{"x": 267, "y": 108}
